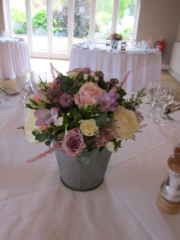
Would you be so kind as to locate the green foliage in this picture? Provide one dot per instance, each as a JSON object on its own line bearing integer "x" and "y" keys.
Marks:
{"x": 123, "y": 4}
{"x": 117, "y": 144}
{"x": 134, "y": 102}
{"x": 67, "y": 85}
{"x": 39, "y": 20}
{"x": 127, "y": 32}
{"x": 103, "y": 120}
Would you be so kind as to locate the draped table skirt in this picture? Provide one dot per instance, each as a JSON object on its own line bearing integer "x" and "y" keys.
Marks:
{"x": 143, "y": 67}
{"x": 14, "y": 57}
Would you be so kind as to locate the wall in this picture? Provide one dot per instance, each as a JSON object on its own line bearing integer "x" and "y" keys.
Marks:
{"x": 178, "y": 34}
{"x": 2, "y": 24}
{"x": 159, "y": 18}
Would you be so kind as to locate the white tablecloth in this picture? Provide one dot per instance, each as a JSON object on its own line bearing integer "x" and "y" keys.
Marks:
{"x": 143, "y": 67}
{"x": 35, "y": 205}
{"x": 14, "y": 57}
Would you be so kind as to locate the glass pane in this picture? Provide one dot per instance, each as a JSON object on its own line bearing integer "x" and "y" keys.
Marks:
{"x": 126, "y": 18}
{"x": 18, "y": 17}
{"x": 103, "y": 19}
{"x": 39, "y": 25}
{"x": 81, "y": 20}
{"x": 60, "y": 25}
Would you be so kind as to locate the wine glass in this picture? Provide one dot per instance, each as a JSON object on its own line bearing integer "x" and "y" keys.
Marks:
{"x": 162, "y": 101}
{"x": 169, "y": 98}
{"x": 35, "y": 78}
{"x": 23, "y": 81}
{"x": 151, "y": 95}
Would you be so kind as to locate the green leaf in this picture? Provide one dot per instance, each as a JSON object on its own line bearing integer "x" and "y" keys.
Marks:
{"x": 103, "y": 120}
{"x": 101, "y": 148}
{"x": 33, "y": 102}
{"x": 41, "y": 105}
{"x": 36, "y": 131}
{"x": 40, "y": 137}
{"x": 20, "y": 128}
{"x": 29, "y": 106}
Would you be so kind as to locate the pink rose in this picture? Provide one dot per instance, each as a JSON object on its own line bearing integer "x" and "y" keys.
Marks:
{"x": 86, "y": 70}
{"x": 43, "y": 126}
{"x": 36, "y": 98}
{"x": 73, "y": 143}
{"x": 86, "y": 94}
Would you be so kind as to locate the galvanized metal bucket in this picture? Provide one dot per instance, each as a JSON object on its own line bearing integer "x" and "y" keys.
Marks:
{"x": 83, "y": 178}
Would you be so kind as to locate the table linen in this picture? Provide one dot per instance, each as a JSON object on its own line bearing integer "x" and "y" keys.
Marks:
{"x": 143, "y": 67}
{"x": 14, "y": 57}
{"x": 34, "y": 204}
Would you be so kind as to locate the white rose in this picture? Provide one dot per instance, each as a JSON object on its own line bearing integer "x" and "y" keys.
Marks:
{"x": 96, "y": 78}
{"x": 92, "y": 74}
{"x": 72, "y": 74}
{"x": 85, "y": 76}
{"x": 30, "y": 126}
{"x": 110, "y": 146}
{"x": 126, "y": 123}
{"x": 88, "y": 127}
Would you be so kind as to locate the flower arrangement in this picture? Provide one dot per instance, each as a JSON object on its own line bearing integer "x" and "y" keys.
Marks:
{"x": 116, "y": 36}
{"x": 82, "y": 112}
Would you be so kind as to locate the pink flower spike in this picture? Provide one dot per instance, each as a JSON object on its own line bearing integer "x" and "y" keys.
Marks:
{"x": 124, "y": 80}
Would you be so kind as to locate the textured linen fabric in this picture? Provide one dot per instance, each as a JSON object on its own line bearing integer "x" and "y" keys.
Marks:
{"x": 143, "y": 67}
{"x": 34, "y": 204}
{"x": 14, "y": 57}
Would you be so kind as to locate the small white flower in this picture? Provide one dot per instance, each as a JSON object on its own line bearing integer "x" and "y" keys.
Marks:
{"x": 59, "y": 121}
{"x": 110, "y": 146}
{"x": 92, "y": 74}
{"x": 55, "y": 117}
{"x": 85, "y": 76}
{"x": 96, "y": 78}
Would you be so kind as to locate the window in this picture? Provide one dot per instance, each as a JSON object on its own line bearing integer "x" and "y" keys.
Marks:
{"x": 52, "y": 26}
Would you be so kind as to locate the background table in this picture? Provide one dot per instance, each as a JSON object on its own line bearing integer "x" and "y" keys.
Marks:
{"x": 14, "y": 57}
{"x": 34, "y": 204}
{"x": 143, "y": 67}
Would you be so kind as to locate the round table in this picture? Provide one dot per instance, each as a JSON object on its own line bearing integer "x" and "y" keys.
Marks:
{"x": 143, "y": 67}
{"x": 34, "y": 203}
{"x": 14, "y": 57}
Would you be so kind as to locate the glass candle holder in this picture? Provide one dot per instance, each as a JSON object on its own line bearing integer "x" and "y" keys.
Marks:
{"x": 170, "y": 188}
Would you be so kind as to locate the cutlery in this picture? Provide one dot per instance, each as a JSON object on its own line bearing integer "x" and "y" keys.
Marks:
{"x": 171, "y": 110}
{"x": 9, "y": 94}
{"x": 170, "y": 118}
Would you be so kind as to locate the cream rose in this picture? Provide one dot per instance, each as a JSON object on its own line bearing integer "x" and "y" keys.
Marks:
{"x": 88, "y": 127}
{"x": 72, "y": 74}
{"x": 126, "y": 123}
{"x": 30, "y": 126}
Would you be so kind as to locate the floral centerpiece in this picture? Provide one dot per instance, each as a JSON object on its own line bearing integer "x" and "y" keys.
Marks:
{"x": 81, "y": 112}
{"x": 116, "y": 36}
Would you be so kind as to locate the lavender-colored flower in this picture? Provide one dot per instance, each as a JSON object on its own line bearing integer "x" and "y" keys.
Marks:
{"x": 108, "y": 101}
{"x": 45, "y": 115}
{"x": 66, "y": 100}
{"x": 140, "y": 118}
